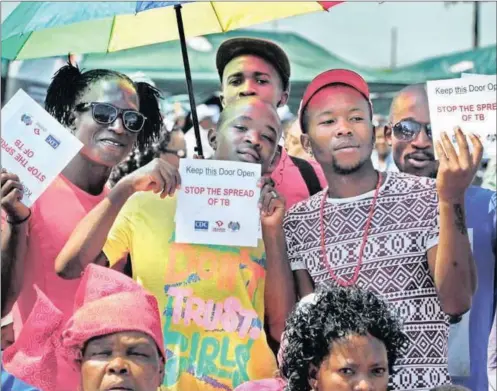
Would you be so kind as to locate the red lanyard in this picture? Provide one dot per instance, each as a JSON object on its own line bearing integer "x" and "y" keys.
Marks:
{"x": 345, "y": 282}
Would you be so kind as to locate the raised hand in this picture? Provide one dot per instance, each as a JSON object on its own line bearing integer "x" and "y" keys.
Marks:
{"x": 456, "y": 171}
{"x": 158, "y": 176}
{"x": 271, "y": 204}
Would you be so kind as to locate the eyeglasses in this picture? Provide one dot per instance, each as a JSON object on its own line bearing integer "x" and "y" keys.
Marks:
{"x": 105, "y": 113}
{"x": 408, "y": 129}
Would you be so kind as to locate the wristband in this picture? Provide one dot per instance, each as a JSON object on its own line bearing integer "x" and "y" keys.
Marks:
{"x": 18, "y": 222}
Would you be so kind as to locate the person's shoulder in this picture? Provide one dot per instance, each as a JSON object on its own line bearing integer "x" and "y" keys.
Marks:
{"x": 405, "y": 183}
{"x": 303, "y": 207}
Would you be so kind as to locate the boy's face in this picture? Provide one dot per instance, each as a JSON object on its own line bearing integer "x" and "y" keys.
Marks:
{"x": 250, "y": 75}
{"x": 249, "y": 131}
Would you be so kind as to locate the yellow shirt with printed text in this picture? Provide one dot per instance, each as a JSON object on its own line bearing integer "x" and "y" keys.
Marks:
{"x": 211, "y": 297}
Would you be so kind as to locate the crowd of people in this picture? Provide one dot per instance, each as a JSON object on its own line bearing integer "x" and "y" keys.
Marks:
{"x": 375, "y": 269}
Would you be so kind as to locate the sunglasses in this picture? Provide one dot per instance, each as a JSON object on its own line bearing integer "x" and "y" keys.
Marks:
{"x": 408, "y": 129}
{"x": 105, "y": 114}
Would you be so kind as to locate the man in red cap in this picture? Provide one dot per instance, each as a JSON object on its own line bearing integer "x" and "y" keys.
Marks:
{"x": 257, "y": 67}
{"x": 381, "y": 231}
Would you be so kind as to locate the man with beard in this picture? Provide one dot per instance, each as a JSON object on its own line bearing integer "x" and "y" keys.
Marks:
{"x": 390, "y": 233}
{"x": 409, "y": 134}
{"x": 212, "y": 298}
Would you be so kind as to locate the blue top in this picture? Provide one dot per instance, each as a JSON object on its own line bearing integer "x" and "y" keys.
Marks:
{"x": 11, "y": 383}
{"x": 468, "y": 349}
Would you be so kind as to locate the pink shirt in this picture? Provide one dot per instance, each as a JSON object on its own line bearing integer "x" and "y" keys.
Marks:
{"x": 290, "y": 183}
{"x": 54, "y": 216}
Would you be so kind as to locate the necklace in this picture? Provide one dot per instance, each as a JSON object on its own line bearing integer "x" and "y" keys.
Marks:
{"x": 353, "y": 280}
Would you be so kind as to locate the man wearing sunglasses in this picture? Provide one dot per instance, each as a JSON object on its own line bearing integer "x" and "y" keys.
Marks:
{"x": 409, "y": 134}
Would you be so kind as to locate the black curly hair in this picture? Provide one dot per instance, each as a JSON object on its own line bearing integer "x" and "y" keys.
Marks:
{"x": 69, "y": 83}
{"x": 335, "y": 313}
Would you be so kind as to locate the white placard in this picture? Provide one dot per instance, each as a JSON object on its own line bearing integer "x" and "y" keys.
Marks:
{"x": 217, "y": 203}
{"x": 35, "y": 146}
{"x": 468, "y": 102}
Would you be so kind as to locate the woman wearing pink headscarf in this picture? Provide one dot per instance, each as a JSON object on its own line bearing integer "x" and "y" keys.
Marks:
{"x": 113, "y": 341}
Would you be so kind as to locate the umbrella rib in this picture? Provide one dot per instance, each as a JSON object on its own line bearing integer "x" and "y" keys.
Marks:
{"x": 111, "y": 32}
{"x": 22, "y": 46}
{"x": 217, "y": 16}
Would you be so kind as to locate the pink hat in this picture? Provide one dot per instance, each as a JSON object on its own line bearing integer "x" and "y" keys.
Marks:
{"x": 334, "y": 76}
{"x": 106, "y": 302}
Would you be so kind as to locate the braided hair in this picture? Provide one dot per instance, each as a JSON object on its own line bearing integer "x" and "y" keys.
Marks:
{"x": 333, "y": 314}
{"x": 69, "y": 83}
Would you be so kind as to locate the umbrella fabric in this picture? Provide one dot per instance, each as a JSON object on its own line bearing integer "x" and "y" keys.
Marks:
{"x": 44, "y": 29}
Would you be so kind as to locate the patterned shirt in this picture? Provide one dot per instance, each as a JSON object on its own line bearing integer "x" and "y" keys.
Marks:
{"x": 395, "y": 265}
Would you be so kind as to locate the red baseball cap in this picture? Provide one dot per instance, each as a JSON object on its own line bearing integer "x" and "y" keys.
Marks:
{"x": 334, "y": 76}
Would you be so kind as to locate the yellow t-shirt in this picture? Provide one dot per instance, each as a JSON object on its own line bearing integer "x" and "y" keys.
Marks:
{"x": 211, "y": 297}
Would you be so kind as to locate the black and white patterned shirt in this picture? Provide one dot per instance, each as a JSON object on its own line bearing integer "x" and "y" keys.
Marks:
{"x": 404, "y": 227}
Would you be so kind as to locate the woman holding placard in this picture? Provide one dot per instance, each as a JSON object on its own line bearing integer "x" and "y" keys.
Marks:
{"x": 108, "y": 113}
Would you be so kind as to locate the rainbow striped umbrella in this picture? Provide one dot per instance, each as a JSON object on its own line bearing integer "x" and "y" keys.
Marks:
{"x": 45, "y": 29}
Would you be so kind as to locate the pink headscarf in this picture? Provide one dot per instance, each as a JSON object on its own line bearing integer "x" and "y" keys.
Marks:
{"x": 106, "y": 302}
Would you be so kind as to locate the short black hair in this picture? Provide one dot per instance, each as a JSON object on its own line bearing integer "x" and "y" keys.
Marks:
{"x": 305, "y": 116}
{"x": 69, "y": 83}
{"x": 336, "y": 313}
{"x": 269, "y": 51}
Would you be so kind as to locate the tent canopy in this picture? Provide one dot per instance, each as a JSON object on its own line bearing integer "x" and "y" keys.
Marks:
{"x": 450, "y": 66}
{"x": 164, "y": 62}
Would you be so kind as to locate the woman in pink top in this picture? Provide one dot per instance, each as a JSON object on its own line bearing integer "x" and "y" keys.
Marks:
{"x": 108, "y": 113}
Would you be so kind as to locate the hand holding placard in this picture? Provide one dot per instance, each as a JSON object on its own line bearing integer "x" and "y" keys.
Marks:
{"x": 12, "y": 194}
{"x": 271, "y": 204}
{"x": 35, "y": 148}
{"x": 456, "y": 171}
{"x": 468, "y": 102}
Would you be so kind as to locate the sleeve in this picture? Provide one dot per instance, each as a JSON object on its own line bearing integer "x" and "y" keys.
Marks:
{"x": 120, "y": 236}
{"x": 434, "y": 229}
{"x": 296, "y": 261}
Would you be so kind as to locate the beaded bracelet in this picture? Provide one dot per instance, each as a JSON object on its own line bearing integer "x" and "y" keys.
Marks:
{"x": 18, "y": 222}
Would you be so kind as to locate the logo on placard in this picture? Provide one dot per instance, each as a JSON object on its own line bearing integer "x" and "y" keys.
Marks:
{"x": 218, "y": 227}
{"x": 234, "y": 226}
{"x": 52, "y": 141}
{"x": 201, "y": 225}
{"x": 26, "y": 119}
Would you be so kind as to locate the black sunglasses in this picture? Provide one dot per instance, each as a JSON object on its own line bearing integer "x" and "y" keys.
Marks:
{"x": 105, "y": 113}
{"x": 408, "y": 129}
